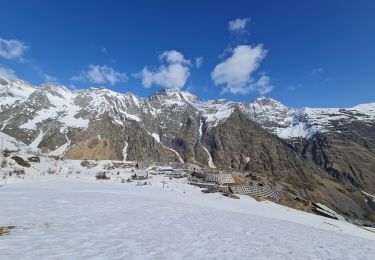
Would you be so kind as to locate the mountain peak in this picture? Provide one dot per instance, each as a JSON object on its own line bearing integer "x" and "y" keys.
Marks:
{"x": 53, "y": 86}
{"x": 265, "y": 100}
{"x": 176, "y": 94}
{"x": 268, "y": 102}
{"x": 169, "y": 91}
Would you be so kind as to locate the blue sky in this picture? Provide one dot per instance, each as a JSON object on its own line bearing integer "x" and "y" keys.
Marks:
{"x": 302, "y": 53}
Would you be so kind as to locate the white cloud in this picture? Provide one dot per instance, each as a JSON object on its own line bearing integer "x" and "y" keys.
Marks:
{"x": 198, "y": 62}
{"x": 173, "y": 57}
{"x": 12, "y": 49}
{"x": 235, "y": 74}
{"x": 238, "y": 25}
{"x": 237, "y": 69}
{"x": 262, "y": 85}
{"x": 7, "y": 73}
{"x": 100, "y": 75}
{"x": 104, "y": 50}
{"x": 172, "y": 73}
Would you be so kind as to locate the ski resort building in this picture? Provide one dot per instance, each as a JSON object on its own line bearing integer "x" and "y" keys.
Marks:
{"x": 225, "y": 179}
{"x": 165, "y": 170}
{"x": 266, "y": 191}
{"x": 140, "y": 175}
{"x": 221, "y": 178}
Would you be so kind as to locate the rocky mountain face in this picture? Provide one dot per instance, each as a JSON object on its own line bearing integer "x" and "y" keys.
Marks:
{"x": 325, "y": 155}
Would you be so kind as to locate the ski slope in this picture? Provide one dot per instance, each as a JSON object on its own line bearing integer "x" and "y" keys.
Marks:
{"x": 78, "y": 217}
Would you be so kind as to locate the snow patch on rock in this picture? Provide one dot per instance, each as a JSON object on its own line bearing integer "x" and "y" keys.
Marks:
{"x": 156, "y": 137}
{"x": 36, "y": 142}
{"x": 125, "y": 151}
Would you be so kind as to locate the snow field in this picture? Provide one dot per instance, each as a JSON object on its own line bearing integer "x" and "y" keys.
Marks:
{"x": 78, "y": 217}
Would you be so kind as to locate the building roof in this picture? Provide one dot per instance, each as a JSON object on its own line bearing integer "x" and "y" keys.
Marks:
{"x": 141, "y": 174}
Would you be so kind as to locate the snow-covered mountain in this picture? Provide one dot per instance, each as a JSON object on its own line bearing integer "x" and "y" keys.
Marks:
{"x": 297, "y": 148}
{"x": 53, "y": 118}
{"x": 29, "y": 108}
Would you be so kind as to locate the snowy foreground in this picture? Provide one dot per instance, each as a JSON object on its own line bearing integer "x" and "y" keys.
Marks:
{"x": 78, "y": 217}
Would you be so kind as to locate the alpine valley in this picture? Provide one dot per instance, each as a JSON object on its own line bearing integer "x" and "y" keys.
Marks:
{"x": 322, "y": 155}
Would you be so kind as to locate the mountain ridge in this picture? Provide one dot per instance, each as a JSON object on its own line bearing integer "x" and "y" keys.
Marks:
{"x": 88, "y": 104}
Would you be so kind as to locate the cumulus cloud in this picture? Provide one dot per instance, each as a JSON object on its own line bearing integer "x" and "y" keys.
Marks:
{"x": 173, "y": 57}
{"x": 235, "y": 74}
{"x": 198, "y": 62}
{"x": 172, "y": 73}
{"x": 238, "y": 25}
{"x": 98, "y": 74}
{"x": 12, "y": 49}
{"x": 7, "y": 73}
{"x": 262, "y": 85}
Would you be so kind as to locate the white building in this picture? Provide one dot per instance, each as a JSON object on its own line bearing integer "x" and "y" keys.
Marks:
{"x": 140, "y": 175}
{"x": 225, "y": 178}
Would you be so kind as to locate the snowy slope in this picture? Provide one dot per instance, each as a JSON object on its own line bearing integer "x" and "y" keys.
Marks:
{"x": 12, "y": 91}
{"x": 9, "y": 143}
{"x": 289, "y": 123}
{"x": 99, "y": 101}
{"x": 78, "y": 218}
{"x": 215, "y": 111}
{"x": 63, "y": 108}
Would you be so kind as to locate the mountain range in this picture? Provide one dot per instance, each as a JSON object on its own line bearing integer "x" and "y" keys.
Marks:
{"x": 319, "y": 154}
